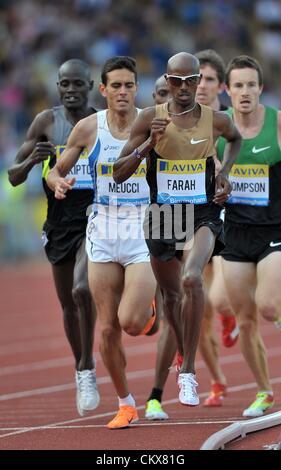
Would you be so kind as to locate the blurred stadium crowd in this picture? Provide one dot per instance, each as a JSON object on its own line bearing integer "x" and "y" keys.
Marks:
{"x": 38, "y": 35}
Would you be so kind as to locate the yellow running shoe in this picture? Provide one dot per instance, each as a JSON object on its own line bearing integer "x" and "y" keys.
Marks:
{"x": 262, "y": 403}
{"x": 154, "y": 411}
{"x": 125, "y": 416}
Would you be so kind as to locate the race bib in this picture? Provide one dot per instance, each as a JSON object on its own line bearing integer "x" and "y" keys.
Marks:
{"x": 250, "y": 185}
{"x": 181, "y": 181}
{"x": 134, "y": 191}
{"x": 81, "y": 170}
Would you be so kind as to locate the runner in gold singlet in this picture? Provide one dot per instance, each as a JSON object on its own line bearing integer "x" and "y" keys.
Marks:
{"x": 178, "y": 140}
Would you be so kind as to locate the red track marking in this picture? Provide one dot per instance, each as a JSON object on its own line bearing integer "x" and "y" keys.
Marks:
{"x": 35, "y": 357}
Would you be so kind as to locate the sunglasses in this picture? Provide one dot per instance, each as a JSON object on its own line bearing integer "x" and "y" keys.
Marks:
{"x": 177, "y": 81}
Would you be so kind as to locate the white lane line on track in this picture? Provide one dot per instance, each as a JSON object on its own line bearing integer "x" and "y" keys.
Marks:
{"x": 234, "y": 389}
{"x": 147, "y": 423}
{"x": 234, "y": 358}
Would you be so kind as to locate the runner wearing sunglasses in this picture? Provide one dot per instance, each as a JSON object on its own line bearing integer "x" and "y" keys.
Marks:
{"x": 176, "y": 81}
{"x": 177, "y": 138}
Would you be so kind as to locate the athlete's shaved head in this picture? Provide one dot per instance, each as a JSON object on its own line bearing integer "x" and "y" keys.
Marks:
{"x": 75, "y": 66}
{"x": 161, "y": 90}
{"x": 183, "y": 61}
{"x": 161, "y": 81}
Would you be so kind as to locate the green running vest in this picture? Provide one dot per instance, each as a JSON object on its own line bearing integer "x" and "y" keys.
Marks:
{"x": 262, "y": 150}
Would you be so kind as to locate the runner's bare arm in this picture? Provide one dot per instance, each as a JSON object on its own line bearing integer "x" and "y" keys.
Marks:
{"x": 145, "y": 133}
{"x": 78, "y": 140}
{"x": 224, "y": 126}
{"x": 35, "y": 149}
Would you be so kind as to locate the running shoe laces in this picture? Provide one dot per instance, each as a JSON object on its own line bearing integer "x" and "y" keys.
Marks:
{"x": 187, "y": 385}
{"x": 262, "y": 403}
{"x": 154, "y": 411}
{"x": 125, "y": 416}
{"x": 87, "y": 397}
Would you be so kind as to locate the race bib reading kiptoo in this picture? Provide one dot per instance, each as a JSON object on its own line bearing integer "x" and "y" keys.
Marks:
{"x": 250, "y": 185}
{"x": 181, "y": 181}
{"x": 81, "y": 170}
{"x": 134, "y": 191}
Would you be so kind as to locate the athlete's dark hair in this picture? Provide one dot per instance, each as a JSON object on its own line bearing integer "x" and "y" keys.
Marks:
{"x": 212, "y": 58}
{"x": 244, "y": 62}
{"x": 118, "y": 62}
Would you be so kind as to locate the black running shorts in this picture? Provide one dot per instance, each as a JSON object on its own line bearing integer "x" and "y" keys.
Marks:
{"x": 165, "y": 249}
{"x": 62, "y": 243}
{"x": 250, "y": 243}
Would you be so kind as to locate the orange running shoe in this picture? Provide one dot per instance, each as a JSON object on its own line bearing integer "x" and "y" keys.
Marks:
{"x": 151, "y": 320}
{"x": 230, "y": 330}
{"x": 217, "y": 394}
{"x": 125, "y": 416}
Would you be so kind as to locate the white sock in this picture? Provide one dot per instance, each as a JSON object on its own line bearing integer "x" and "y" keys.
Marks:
{"x": 127, "y": 401}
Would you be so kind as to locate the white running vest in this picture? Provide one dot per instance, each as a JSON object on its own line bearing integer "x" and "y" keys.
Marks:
{"x": 106, "y": 150}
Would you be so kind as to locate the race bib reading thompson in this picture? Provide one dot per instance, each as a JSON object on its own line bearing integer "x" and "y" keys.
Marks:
{"x": 134, "y": 191}
{"x": 181, "y": 181}
{"x": 81, "y": 170}
{"x": 250, "y": 185}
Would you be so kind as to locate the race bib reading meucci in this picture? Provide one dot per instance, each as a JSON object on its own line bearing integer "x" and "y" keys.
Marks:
{"x": 134, "y": 191}
{"x": 181, "y": 181}
{"x": 250, "y": 185}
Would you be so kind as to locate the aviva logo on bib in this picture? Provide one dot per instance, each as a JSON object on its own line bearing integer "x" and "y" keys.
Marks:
{"x": 181, "y": 166}
{"x": 106, "y": 169}
{"x": 61, "y": 148}
{"x": 250, "y": 171}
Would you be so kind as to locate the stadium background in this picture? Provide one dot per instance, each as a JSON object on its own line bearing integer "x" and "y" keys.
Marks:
{"x": 37, "y": 36}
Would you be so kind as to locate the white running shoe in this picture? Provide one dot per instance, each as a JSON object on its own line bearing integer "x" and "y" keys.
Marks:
{"x": 87, "y": 395}
{"x": 187, "y": 385}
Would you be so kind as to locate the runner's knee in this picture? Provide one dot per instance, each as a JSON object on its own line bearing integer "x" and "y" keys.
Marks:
{"x": 192, "y": 281}
{"x": 132, "y": 326}
{"x": 248, "y": 325}
{"x": 220, "y": 303}
{"x": 108, "y": 335}
{"x": 268, "y": 311}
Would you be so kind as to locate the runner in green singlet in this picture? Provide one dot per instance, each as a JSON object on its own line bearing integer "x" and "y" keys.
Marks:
{"x": 252, "y": 255}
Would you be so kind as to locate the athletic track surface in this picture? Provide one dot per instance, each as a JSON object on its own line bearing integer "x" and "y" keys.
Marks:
{"x": 37, "y": 398}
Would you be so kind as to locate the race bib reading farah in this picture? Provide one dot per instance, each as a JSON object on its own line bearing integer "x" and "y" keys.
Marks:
{"x": 81, "y": 170}
{"x": 134, "y": 191}
{"x": 181, "y": 181}
{"x": 250, "y": 185}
